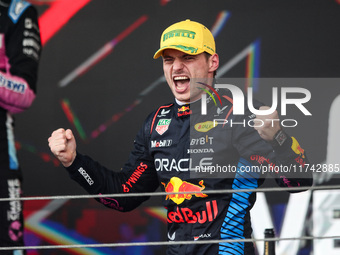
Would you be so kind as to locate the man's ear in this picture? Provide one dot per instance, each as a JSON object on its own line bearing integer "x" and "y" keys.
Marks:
{"x": 214, "y": 62}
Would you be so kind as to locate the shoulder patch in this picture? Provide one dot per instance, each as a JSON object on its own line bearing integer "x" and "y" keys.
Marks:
{"x": 17, "y": 8}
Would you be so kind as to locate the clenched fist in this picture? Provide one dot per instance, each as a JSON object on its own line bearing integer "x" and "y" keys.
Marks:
{"x": 63, "y": 145}
{"x": 267, "y": 125}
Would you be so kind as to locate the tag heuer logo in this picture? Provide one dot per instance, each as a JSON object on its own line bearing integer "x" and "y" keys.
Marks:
{"x": 162, "y": 126}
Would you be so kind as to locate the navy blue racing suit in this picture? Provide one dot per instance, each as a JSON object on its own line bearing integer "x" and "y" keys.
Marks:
{"x": 180, "y": 150}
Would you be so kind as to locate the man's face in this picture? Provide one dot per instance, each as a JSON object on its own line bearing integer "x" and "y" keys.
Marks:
{"x": 179, "y": 68}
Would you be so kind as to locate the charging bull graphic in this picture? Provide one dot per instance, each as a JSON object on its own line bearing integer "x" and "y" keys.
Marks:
{"x": 177, "y": 185}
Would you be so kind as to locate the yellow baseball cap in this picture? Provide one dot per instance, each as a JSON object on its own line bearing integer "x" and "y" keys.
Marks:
{"x": 187, "y": 36}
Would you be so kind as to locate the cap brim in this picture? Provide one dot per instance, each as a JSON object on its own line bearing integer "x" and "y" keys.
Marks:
{"x": 158, "y": 53}
{"x": 177, "y": 47}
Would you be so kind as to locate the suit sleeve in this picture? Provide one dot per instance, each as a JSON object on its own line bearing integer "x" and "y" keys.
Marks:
{"x": 137, "y": 175}
{"x": 286, "y": 163}
{"x": 20, "y": 54}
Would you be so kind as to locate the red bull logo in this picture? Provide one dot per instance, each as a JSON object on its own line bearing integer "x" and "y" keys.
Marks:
{"x": 184, "y": 110}
{"x": 300, "y": 149}
{"x": 186, "y": 215}
{"x": 177, "y": 185}
{"x": 297, "y": 148}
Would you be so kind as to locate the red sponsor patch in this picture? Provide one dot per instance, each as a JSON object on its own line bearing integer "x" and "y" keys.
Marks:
{"x": 134, "y": 177}
{"x": 186, "y": 215}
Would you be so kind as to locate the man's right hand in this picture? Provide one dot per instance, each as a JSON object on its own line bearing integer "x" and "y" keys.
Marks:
{"x": 63, "y": 145}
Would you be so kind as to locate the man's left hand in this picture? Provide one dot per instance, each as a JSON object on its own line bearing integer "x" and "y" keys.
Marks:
{"x": 267, "y": 125}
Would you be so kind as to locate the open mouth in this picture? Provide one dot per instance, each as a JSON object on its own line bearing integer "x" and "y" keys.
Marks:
{"x": 182, "y": 83}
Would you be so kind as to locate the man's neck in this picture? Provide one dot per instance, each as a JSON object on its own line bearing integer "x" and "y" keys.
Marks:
{"x": 183, "y": 103}
{"x": 179, "y": 102}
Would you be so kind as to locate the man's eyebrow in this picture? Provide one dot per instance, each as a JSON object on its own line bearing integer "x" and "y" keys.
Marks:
{"x": 167, "y": 56}
{"x": 188, "y": 55}
{"x": 181, "y": 56}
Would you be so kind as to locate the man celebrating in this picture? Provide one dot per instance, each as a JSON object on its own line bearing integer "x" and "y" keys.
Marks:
{"x": 176, "y": 143}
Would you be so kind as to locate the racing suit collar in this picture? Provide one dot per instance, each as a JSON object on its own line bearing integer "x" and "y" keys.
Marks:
{"x": 185, "y": 109}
